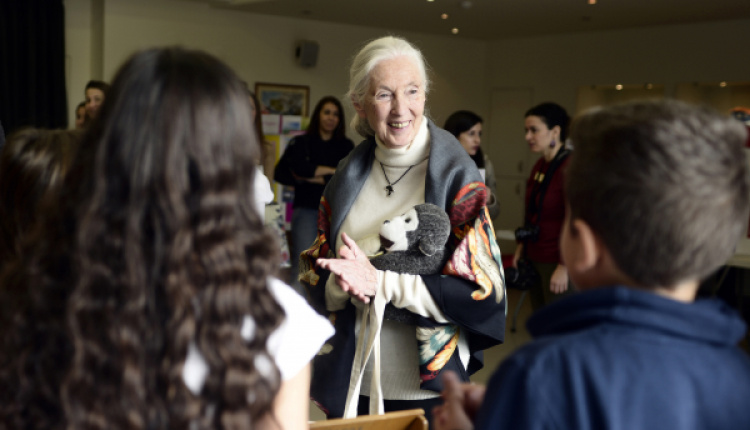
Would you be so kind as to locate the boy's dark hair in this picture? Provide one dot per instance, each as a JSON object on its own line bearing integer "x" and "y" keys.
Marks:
{"x": 552, "y": 114}
{"x": 664, "y": 184}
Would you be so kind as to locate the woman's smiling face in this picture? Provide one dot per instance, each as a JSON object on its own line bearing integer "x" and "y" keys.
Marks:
{"x": 394, "y": 103}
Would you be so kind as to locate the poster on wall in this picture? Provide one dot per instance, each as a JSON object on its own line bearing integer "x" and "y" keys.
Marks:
{"x": 283, "y": 99}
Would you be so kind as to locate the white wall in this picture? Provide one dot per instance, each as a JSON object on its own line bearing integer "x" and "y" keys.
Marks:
{"x": 552, "y": 68}
{"x": 555, "y": 66}
{"x": 77, "y": 52}
{"x": 261, "y": 49}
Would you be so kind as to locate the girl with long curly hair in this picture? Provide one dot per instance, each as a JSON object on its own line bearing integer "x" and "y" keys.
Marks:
{"x": 147, "y": 300}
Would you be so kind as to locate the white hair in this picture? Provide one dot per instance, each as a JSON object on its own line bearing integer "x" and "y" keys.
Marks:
{"x": 384, "y": 48}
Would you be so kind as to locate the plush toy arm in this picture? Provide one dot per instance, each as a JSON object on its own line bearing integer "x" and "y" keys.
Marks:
{"x": 411, "y": 262}
{"x": 429, "y": 247}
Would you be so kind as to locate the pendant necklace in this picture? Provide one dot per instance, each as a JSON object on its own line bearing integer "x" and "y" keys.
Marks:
{"x": 389, "y": 188}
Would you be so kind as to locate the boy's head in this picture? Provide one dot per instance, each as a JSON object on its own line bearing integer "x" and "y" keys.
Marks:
{"x": 663, "y": 185}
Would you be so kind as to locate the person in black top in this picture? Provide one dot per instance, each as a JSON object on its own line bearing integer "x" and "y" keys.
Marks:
{"x": 308, "y": 163}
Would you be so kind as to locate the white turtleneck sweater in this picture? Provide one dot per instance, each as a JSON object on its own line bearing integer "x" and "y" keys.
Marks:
{"x": 400, "y": 357}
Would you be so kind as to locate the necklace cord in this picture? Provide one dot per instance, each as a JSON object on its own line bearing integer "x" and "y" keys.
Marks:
{"x": 389, "y": 189}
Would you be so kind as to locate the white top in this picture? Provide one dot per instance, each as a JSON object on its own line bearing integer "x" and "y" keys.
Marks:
{"x": 263, "y": 192}
{"x": 294, "y": 343}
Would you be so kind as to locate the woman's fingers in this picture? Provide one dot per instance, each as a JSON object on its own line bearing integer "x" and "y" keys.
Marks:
{"x": 349, "y": 275}
{"x": 352, "y": 246}
{"x": 355, "y": 275}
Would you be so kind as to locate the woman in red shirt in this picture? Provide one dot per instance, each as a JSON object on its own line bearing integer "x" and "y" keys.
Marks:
{"x": 538, "y": 241}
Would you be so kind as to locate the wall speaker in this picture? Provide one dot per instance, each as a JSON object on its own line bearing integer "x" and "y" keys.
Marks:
{"x": 306, "y": 53}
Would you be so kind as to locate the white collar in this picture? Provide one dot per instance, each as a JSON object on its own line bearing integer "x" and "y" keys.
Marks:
{"x": 416, "y": 151}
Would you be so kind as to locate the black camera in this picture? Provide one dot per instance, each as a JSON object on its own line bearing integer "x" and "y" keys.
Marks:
{"x": 527, "y": 233}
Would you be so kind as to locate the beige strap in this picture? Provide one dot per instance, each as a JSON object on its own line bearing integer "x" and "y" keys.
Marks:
{"x": 372, "y": 321}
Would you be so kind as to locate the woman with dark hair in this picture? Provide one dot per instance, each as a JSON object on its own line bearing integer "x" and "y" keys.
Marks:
{"x": 308, "y": 163}
{"x": 538, "y": 240}
{"x": 32, "y": 166}
{"x": 147, "y": 301}
{"x": 467, "y": 127}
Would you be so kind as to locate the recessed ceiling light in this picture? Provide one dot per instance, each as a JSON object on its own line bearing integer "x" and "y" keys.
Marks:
{"x": 592, "y": 1}
{"x": 618, "y": 87}
{"x": 444, "y": 16}
{"x": 454, "y": 31}
{"x": 722, "y": 84}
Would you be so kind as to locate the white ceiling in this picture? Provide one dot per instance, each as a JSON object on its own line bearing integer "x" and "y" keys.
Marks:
{"x": 497, "y": 19}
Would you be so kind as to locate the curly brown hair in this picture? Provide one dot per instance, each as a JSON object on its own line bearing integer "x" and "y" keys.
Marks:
{"x": 158, "y": 247}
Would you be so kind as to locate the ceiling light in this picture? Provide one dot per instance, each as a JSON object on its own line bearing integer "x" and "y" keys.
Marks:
{"x": 444, "y": 16}
{"x": 722, "y": 84}
{"x": 592, "y": 1}
{"x": 618, "y": 87}
{"x": 454, "y": 31}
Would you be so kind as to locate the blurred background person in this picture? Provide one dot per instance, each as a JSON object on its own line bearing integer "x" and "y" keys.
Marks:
{"x": 33, "y": 164}
{"x": 538, "y": 240}
{"x": 467, "y": 127}
{"x": 80, "y": 116}
{"x": 95, "y": 93}
{"x": 307, "y": 164}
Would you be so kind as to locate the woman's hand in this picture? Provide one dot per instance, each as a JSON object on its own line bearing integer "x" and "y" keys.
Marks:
{"x": 460, "y": 404}
{"x": 314, "y": 180}
{"x": 354, "y": 273}
{"x": 558, "y": 284}
{"x": 517, "y": 255}
{"x": 324, "y": 171}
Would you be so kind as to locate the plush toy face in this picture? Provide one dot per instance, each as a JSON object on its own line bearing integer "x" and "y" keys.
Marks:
{"x": 414, "y": 242}
{"x": 393, "y": 232}
{"x": 424, "y": 228}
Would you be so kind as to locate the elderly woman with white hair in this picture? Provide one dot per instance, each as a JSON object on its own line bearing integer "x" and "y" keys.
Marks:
{"x": 420, "y": 324}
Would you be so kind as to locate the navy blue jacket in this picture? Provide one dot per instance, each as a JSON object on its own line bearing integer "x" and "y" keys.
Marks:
{"x": 619, "y": 358}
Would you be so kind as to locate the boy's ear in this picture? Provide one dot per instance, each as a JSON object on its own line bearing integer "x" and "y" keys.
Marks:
{"x": 589, "y": 250}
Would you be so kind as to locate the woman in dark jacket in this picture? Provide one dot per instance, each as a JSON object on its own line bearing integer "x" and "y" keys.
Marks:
{"x": 308, "y": 163}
